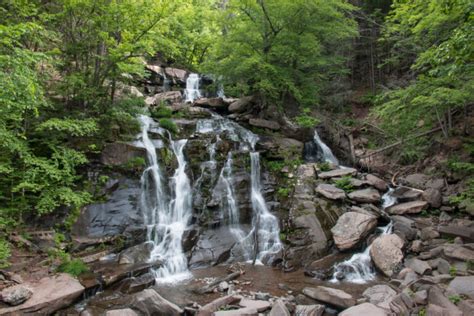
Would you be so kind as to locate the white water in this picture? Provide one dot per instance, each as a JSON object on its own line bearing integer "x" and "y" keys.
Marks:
{"x": 192, "y": 88}
{"x": 166, "y": 219}
{"x": 359, "y": 268}
{"x": 328, "y": 156}
{"x": 263, "y": 240}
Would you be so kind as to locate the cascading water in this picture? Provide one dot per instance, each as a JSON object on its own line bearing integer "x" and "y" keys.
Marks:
{"x": 166, "y": 219}
{"x": 263, "y": 240}
{"x": 192, "y": 88}
{"x": 359, "y": 268}
{"x": 327, "y": 154}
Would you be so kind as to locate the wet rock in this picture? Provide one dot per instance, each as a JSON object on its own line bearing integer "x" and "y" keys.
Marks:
{"x": 351, "y": 227}
{"x": 433, "y": 197}
{"x": 380, "y": 295}
{"x": 119, "y": 153}
{"x": 331, "y": 296}
{"x": 121, "y": 312}
{"x": 241, "y": 105}
{"x": 213, "y": 247}
{"x": 217, "y": 104}
{"x": 337, "y": 173}
{"x": 386, "y": 252}
{"x": 49, "y": 295}
{"x": 149, "y": 302}
{"x": 419, "y": 266}
{"x": 137, "y": 284}
{"x": 365, "y": 196}
{"x": 264, "y": 124}
{"x": 463, "y": 285}
{"x": 309, "y": 310}
{"x": 376, "y": 182}
{"x": 136, "y": 254}
{"x": 404, "y": 227}
{"x": 404, "y": 194}
{"x": 112, "y": 272}
{"x": 15, "y": 295}
{"x": 408, "y": 208}
{"x": 364, "y": 309}
{"x": 330, "y": 192}
{"x": 279, "y": 309}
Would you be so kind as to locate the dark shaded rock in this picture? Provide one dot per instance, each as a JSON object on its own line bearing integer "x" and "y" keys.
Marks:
{"x": 419, "y": 266}
{"x": 404, "y": 194}
{"x": 280, "y": 147}
{"x": 112, "y": 272}
{"x": 150, "y": 302}
{"x": 331, "y": 296}
{"x": 217, "y": 104}
{"x": 136, "y": 254}
{"x": 241, "y": 105}
{"x": 264, "y": 124}
{"x": 119, "y": 153}
{"x": 137, "y": 284}
{"x": 465, "y": 232}
{"x": 404, "y": 227}
{"x": 351, "y": 228}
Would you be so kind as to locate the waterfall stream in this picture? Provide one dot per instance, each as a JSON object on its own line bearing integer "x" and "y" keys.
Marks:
{"x": 192, "y": 88}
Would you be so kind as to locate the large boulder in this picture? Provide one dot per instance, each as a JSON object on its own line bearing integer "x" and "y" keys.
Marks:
{"x": 433, "y": 197}
{"x": 413, "y": 207}
{"x": 404, "y": 194}
{"x": 337, "y": 173}
{"x": 376, "y": 182}
{"x": 386, "y": 252}
{"x": 351, "y": 228}
{"x": 331, "y": 296}
{"x": 364, "y": 309}
{"x": 463, "y": 285}
{"x": 15, "y": 295}
{"x": 119, "y": 153}
{"x": 49, "y": 295}
{"x": 272, "y": 125}
{"x": 330, "y": 191}
{"x": 280, "y": 147}
{"x": 380, "y": 295}
{"x": 137, "y": 254}
{"x": 241, "y": 105}
{"x": 217, "y": 104}
{"x": 365, "y": 196}
{"x": 177, "y": 75}
{"x": 168, "y": 97}
{"x": 149, "y": 302}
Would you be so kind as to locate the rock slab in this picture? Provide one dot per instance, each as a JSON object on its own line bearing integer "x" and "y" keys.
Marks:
{"x": 351, "y": 227}
{"x": 331, "y": 296}
{"x": 386, "y": 252}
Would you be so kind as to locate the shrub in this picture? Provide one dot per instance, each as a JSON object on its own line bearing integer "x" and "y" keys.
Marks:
{"x": 169, "y": 125}
{"x": 4, "y": 253}
{"x": 161, "y": 112}
{"x": 283, "y": 192}
{"x": 275, "y": 165}
{"x": 74, "y": 267}
{"x": 345, "y": 184}
{"x": 305, "y": 120}
{"x": 325, "y": 166}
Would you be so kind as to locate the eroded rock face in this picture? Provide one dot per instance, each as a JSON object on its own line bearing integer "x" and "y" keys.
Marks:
{"x": 168, "y": 97}
{"x": 331, "y": 296}
{"x": 386, "y": 252}
{"x": 149, "y": 302}
{"x": 119, "y": 153}
{"x": 351, "y": 228}
{"x": 380, "y": 295}
{"x": 272, "y": 125}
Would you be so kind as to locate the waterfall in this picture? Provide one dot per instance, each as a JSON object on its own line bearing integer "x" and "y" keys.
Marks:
{"x": 263, "y": 241}
{"x": 166, "y": 219}
{"x": 359, "y": 268}
{"x": 328, "y": 156}
{"x": 192, "y": 88}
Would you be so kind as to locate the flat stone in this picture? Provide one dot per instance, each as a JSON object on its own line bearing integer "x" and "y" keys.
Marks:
{"x": 149, "y": 302}
{"x": 463, "y": 285}
{"x": 364, "y": 309}
{"x": 465, "y": 232}
{"x": 49, "y": 295}
{"x": 380, "y": 295}
{"x": 331, "y": 296}
{"x": 386, "y": 252}
{"x": 215, "y": 305}
{"x": 419, "y": 266}
{"x": 436, "y": 297}
{"x": 235, "y": 312}
{"x": 264, "y": 124}
{"x": 365, "y": 196}
{"x": 404, "y": 194}
{"x": 337, "y": 173}
{"x": 331, "y": 192}
{"x": 121, "y": 312}
{"x": 279, "y": 309}
{"x": 351, "y": 227}
{"x": 259, "y": 305}
{"x": 309, "y": 310}
{"x": 459, "y": 252}
{"x": 408, "y": 207}
{"x": 378, "y": 183}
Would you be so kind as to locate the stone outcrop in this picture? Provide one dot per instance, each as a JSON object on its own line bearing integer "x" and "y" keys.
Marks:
{"x": 351, "y": 228}
{"x": 149, "y": 302}
{"x": 241, "y": 105}
{"x": 119, "y": 153}
{"x": 365, "y": 196}
{"x": 331, "y": 192}
{"x": 337, "y": 173}
{"x": 364, "y": 309}
{"x": 168, "y": 97}
{"x": 272, "y": 125}
{"x": 408, "y": 208}
{"x": 331, "y": 296}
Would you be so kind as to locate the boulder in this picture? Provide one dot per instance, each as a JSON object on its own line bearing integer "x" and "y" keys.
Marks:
{"x": 416, "y": 180}
{"x": 213, "y": 247}
{"x": 137, "y": 254}
{"x": 241, "y": 105}
{"x": 15, "y": 295}
{"x": 49, "y": 295}
{"x": 413, "y": 207}
{"x": 309, "y": 310}
{"x": 386, "y": 252}
{"x": 380, "y": 295}
{"x": 463, "y": 285}
{"x": 465, "y": 232}
{"x": 436, "y": 297}
{"x": 459, "y": 252}
{"x": 259, "y": 305}
{"x": 149, "y": 302}
{"x": 404, "y": 227}
{"x": 121, "y": 312}
{"x": 330, "y": 192}
{"x": 376, "y": 182}
{"x": 212, "y": 103}
{"x": 210, "y": 308}
{"x": 404, "y": 194}
{"x": 137, "y": 284}
{"x": 279, "y": 309}
{"x": 177, "y": 75}
{"x": 419, "y": 266}
{"x": 264, "y": 124}
{"x": 235, "y": 312}
{"x": 433, "y": 197}
{"x": 351, "y": 228}
{"x": 331, "y": 296}
{"x": 168, "y": 97}
{"x": 119, "y": 153}
{"x": 364, "y": 309}
{"x": 337, "y": 173}
{"x": 365, "y": 196}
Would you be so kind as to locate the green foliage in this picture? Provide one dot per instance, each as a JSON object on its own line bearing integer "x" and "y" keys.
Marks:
{"x": 305, "y": 120}
{"x": 161, "y": 112}
{"x": 324, "y": 166}
{"x": 275, "y": 165}
{"x": 136, "y": 163}
{"x": 283, "y": 192}
{"x": 422, "y": 311}
{"x": 169, "y": 125}
{"x": 275, "y": 49}
{"x": 345, "y": 184}
{"x": 4, "y": 253}
{"x": 455, "y": 299}
{"x": 453, "y": 271}
{"x": 74, "y": 267}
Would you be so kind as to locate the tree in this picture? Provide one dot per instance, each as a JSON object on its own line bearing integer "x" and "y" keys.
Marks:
{"x": 280, "y": 49}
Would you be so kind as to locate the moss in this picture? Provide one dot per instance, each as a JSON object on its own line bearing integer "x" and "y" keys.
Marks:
{"x": 168, "y": 124}
{"x": 345, "y": 184}
{"x": 161, "y": 112}
{"x": 74, "y": 267}
{"x": 4, "y": 253}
